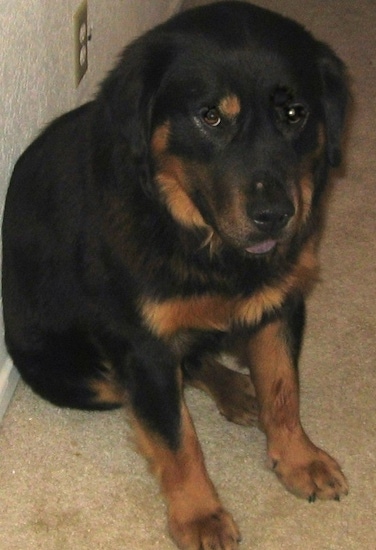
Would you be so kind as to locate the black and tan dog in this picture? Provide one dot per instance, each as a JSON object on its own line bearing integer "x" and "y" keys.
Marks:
{"x": 174, "y": 218}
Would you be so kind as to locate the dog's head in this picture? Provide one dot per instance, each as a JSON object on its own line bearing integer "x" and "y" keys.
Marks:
{"x": 233, "y": 115}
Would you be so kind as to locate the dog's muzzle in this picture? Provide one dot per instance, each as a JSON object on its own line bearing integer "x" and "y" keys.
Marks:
{"x": 270, "y": 211}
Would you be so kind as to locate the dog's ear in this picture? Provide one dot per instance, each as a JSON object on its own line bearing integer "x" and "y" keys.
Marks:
{"x": 127, "y": 99}
{"x": 334, "y": 102}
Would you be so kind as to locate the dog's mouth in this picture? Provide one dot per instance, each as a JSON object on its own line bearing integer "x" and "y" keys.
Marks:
{"x": 263, "y": 247}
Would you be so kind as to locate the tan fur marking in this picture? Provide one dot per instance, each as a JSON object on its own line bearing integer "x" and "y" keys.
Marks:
{"x": 159, "y": 141}
{"x": 304, "y": 193}
{"x": 107, "y": 393}
{"x": 304, "y": 469}
{"x": 230, "y": 106}
{"x": 275, "y": 379}
{"x": 172, "y": 180}
{"x": 216, "y": 312}
{"x": 196, "y": 516}
{"x": 180, "y": 472}
{"x": 302, "y": 197}
{"x": 306, "y": 187}
{"x": 232, "y": 391}
{"x": 202, "y": 312}
{"x": 234, "y": 219}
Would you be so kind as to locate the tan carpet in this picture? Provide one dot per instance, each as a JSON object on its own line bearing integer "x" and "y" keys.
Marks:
{"x": 71, "y": 480}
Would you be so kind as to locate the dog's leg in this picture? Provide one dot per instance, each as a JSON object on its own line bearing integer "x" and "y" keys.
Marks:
{"x": 197, "y": 520}
{"x": 232, "y": 391}
{"x": 304, "y": 469}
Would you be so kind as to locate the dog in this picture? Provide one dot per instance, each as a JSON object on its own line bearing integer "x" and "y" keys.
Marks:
{"x": 174, "y": 220}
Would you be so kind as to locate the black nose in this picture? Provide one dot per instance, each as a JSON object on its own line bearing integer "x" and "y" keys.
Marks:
{"x": 272, "y": 217}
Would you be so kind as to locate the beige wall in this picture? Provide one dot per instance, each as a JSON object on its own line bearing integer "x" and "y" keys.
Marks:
{"x": 37, "y": 70}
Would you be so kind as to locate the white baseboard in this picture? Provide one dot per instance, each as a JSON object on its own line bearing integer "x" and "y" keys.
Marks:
{"x": 8, "y": 381}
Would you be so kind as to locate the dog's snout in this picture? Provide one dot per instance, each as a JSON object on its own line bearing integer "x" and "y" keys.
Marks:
{"x": 270, "y": 209}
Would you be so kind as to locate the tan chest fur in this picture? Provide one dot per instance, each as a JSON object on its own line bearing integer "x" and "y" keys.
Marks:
{"x": 219, "y": 312}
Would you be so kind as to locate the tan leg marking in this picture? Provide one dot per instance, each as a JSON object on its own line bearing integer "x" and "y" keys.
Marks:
{"x": 107, "y": 393}
{"x": 304, "y": 469}
{"x": 197, "y": 520}
{"x": 232, "y": 391}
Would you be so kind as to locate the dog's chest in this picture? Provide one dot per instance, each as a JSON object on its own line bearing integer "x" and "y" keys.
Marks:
{"x": 216, "y": 311}
{"x": 210, "y": 311}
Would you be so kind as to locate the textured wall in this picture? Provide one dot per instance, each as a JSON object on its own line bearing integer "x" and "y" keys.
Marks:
{"x": 37, "y": 67}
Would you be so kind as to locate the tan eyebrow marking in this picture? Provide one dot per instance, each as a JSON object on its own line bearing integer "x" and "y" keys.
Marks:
{"x": 230, "y": 106}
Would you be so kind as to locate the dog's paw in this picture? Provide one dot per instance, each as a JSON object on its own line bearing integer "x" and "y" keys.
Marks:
{"x": 212, "y": 531}
{"x": 310, "y": 473}
{"x": 242, "y": 409}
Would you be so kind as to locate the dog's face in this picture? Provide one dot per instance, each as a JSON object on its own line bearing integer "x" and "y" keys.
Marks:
{"x": 235, "y": 145}
{"x": 244, "y": 111}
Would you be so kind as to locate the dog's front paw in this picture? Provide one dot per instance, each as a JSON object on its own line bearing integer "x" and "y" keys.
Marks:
{"x": 210, "y": 531}
{"x": 309, "y": 472}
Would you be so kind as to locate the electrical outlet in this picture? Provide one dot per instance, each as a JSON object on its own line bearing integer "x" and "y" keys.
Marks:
{"x": 80, "y": 41}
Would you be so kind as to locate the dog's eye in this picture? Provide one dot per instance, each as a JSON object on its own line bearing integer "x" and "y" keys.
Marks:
{"x": 212, "y": 117}
{"x": 295, "y": 113}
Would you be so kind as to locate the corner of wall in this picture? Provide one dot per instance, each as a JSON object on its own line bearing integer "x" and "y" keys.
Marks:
{"x": 8, "y": 382}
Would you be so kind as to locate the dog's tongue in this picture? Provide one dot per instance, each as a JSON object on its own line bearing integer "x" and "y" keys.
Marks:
{"x": 262, "y": 248}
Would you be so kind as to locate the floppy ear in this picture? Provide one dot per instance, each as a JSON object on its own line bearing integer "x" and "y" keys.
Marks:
{"x": 127, "y": 97}
{"x": 334, "y": 102}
